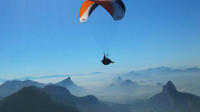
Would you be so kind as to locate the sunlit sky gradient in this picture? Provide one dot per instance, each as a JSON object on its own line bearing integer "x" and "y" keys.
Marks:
{"x": 44, "y": 37}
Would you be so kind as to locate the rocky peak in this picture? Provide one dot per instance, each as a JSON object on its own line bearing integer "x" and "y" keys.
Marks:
{"x": 169, "y": 88}
{"x": 66, "y": 83}
{"x": 68, "y": 80}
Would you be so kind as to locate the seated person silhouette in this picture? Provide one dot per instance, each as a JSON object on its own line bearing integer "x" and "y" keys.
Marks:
{"x": 106, "y": 60}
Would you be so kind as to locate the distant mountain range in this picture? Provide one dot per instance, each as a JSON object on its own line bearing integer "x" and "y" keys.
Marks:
{"x": 125, "y": 90}
{"x": 57, "y": 98}
{"x": 169, "y": 100}
{"x": 125, "y": 87}
{"x": 51, "y": 98}
{"x": 161, "y": 71}
{"x": 10, "y": 87}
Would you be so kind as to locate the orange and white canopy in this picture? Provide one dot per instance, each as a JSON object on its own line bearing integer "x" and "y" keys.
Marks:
{"x": 116, "y": 8}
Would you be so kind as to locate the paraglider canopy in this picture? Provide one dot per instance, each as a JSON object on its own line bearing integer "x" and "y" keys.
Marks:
{"x": 116, "y": 8}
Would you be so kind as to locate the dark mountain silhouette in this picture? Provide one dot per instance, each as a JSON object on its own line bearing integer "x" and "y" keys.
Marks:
{"x": 170, "y": 100}
{"x": 59, "y": 94}
{"x": 63, "y": 95}
{"x": 51, "y": 98}
{"x": 85, "y": 104}
{"x": 10, "y": 87}
{"x": 32, "y": 99}
{"x": 72, "y": 87}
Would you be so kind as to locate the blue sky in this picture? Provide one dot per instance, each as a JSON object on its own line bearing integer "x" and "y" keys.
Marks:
{"x": 45, "y": 37}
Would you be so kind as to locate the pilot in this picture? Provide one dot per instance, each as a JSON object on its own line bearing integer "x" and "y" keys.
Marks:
{"x": 106, "y": 60}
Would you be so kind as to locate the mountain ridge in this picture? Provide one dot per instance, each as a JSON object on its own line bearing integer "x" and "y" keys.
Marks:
{"x": 161, "y": 70}
{"x": 52, "y": 95}
{"x": 32, "y": 99}
{"x": 10, "y": 87}
{"x": 74, "y": 88}
{"x": 170, "y": 100}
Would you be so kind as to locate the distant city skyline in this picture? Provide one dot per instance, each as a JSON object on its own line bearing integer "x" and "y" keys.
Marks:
{"x": 40, "y": 38}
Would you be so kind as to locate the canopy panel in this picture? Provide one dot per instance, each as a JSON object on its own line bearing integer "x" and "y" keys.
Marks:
{"x": 116, "y": 8}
